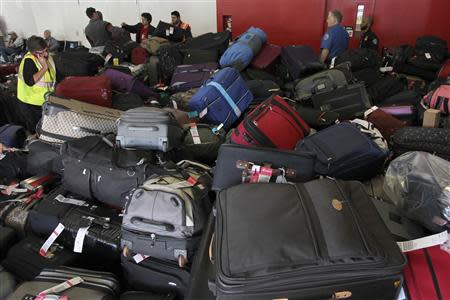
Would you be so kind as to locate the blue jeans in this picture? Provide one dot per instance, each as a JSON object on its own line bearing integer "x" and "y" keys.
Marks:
{"x": 6, "y": 52}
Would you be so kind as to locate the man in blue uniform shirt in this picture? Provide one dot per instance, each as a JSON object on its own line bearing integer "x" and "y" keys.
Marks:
{"x": 335, "y": 40}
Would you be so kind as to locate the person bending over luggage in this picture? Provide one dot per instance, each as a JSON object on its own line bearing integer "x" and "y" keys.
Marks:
{"x": 97, "y": 31}
{"x": 336, "y": 39}
{"x": 52, "y": 43}
{"x": 37, "y": 76}
{"x": 176, "y": 21}
{"x": 369, "y": 39}
{"x": 142, "y": 29}
{"x": 14, "y": 46}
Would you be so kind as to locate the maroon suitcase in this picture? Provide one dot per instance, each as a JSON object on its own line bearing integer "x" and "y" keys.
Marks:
{"x": 406, "y": 113}
{"x": 387, "y": 124}
{"x": 444, "y": 72}
{"x": 139, "y": 56}
{"x": 8, "y": 69}
{"x": 266, "y": 57}
{"x": 95, "y": 90}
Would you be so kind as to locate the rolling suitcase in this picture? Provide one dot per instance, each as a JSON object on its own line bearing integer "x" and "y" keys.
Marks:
{"x": 234, "y": 165}
{"x": 208, "y": 41}
{"x": 274, "y": 124}
{"x": 139, "y": 56}
{"x": 186, "y": 77}
{"x": 266, "y": 57}
{"x": 94, "y": 285}
{"x": 301, "y": 61}
{"x": 148, "y": 128}
{"x": 95, "y": 90}
{"x": 434, "y": 46}
{"x": 384, "y": 122}
{"x": 199, "y": 56}
{"x": 349, "y": 102}
{"x": 222, "y": 99}
{"x": 336, "y": 246}
{"x": 126, "y": 83}
{"x": 344, "y": 152}
{"x": 44, "y": 158}
{"x": 12, "y": 136}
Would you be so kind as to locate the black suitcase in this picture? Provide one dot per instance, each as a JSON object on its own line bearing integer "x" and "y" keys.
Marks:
{"x": 230, "y": 163}
{"x": 432, "y": 140}
{"x": 169, "y": 32}
{"x": 433, "y": 45}
{"x": 199, "y": 56}
{"x": 335, "y": 247}
{"x": 386, "y": 87}
{"x": 317, "y": 119}
{"x": 24, "y": 261}
{"x": 126, "y": 101}
{"x": 169, "y": 58}
{"x": 8, "y": 283}
{"x": 208, "y": 41}
{"x": 135, "y": 295}
{"x": 359, "y": 59}
{"x": 402, "y": 98}
{"x": 8, "y": 238}
{"x": 301, "y": 61}
{"x": 419, "y": 72}
{"x": 44, "y": 158}
{"x": 14, "y": 166}
{"x": 262, "y": 90}
{"x": 349, "y": 102}
{"x": 77, "y": 63}
{"x": 368, "y": 75}
{"x": 95, "y": 286}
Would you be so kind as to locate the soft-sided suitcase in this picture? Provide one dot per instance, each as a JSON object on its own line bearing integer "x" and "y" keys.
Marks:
{"x": 432, "y": 140}
{"x": 368, "y": 75}
{"x": 95, "y": 90}
{"x": 425, "y": 274}
{"x": 126, "y": 83}
{"x": 148, "y": 128}
{"x": 64, "y": 119}
{"x": 222, "y": 99}
{"x": 94, "y": 169}
{"x": 359, "y": 58}
{"x": 199, "y": 56}
{"x": 14, "y": 165}
{"x": 301, "y": 61}
{"x": 186, "y": 77}
{"x": 77, "y": 63}
{"x": 126, "y": 101}
{"x": 8, "y": 283}
{"x": 25, "y": 262}
{"x": 274, "y": 124}
{"x": 335, "y": 247}
{"x": 386, "y": 87}
{"x": 139, "y": 56}
{"x": 322, "y": 82}
{"x": 136, "y": 295}
{"x": 44, "y": 158}
{"x": 344, "y": 152}
{"x": 444, "y": 72}
{"x": 208, "y": 41}
{"x": 407, "y": 113}
{"x": 437, "y": 99}
{"x": 170, "y": 32}
{"x": 262, "y": 89}
{"x": 349, "y": 102}
{"x": 317, "y": 119}
{"x": 234, "y": 164}
{"x": 95, "y": 285}
{"x": 387, "y": 124}
{"x": 266, "y": 57}
{"x": 12, "y": 136}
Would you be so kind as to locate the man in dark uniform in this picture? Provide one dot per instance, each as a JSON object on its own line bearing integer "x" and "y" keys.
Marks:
{"x": 369, "y": 39}
{"x": 336, "y": 39}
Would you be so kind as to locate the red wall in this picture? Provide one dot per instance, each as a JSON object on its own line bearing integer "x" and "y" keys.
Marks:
{"x": 302, "y": 21}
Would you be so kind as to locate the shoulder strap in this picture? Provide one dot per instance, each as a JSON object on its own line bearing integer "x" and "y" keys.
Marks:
{"x": 227, "y": 97}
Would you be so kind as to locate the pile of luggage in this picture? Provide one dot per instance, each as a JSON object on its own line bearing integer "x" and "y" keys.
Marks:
{"x": 230, "y": 172}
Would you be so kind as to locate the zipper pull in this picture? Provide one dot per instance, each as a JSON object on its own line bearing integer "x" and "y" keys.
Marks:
{"x": 329, "y": 162}
{"x": 153, "y": 238}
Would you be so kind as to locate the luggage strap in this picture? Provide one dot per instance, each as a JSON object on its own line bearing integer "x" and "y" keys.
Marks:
{"x": 227, "y": 97}
{"x": 252, "y": 172}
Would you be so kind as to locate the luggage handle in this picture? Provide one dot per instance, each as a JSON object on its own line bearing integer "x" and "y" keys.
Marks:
{"x": 246, "y": 165}
{"x": 141, "y": 128}
{"x": 152, "y": 225}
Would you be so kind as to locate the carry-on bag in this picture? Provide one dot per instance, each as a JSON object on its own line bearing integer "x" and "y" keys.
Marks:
{"x": 222, "y": 98}
{"x": 208, "y": 41}
{"x": 148, "y": 128}
{"x": 126, "y": 83}
{"x": 235, "y": 162}
{"x": 8, "y": 238}
{"x": 266, "y": 57}
{"x": 437, "y": 99}
{"x": 387, "y": 124}
{"x": 12, "y": 136}
{"x": 386, "y": 87}
{"x": 44, "y": 158}
{"x": 344, "y": 152}
{"x": 403, "y": 98}
{"x": 77, "y": 63}
{"x": 95, "y": 90}
{"x": 186, "y": 77}
{"x": 301, "y": 61}
{"x": 65, "y": 119}
{"x": 359, "y": 58}
{"x": 433, "y": 45}
{"x": 262, "y": 89}
{"x": 274, "y": 124}
{"x": 336, "y": 246}
{"x": 349, "y": 102}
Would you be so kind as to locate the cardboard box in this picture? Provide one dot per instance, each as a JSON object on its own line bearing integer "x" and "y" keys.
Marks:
{"x": 431, "y": 118}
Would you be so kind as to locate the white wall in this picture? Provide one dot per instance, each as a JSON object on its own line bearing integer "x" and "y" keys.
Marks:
{"x": 67, "y": 19}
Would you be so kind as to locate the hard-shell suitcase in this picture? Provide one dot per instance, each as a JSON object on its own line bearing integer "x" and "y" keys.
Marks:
{"x": 432, "y": 140}
{"x": 139, "y": 56}
{"x": 148, "y": 128}
{"x": 336, "y": 245}
{"x": 64, "y": 120}
{"x": 387, "y": 124}
{"x": 12, "y": 136}
{"x": 444, "y": 72}
{"x": 199, "y": 56}
{"x": 208, "y": 41}
{"x": 44, "y": 158}
{"x": 126, "y": 101}
{"x": 186, "y": 77}
{"x": 222, "y": 99}
{"x": 95, "y": 90}
{"x": 344, "y": 152}
{"x": 94, "y": 286}
{"x": 274, "y": 124}
{"x": 233, "y": 160}
{"x": 126, "y": 83}
{"x": 266, "y": 57}
{"x": 301, "y": 61}
{"x": 349, "y": 102}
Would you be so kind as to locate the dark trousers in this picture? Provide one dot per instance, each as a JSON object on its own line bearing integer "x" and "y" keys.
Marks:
{"x": 31, "y": 114}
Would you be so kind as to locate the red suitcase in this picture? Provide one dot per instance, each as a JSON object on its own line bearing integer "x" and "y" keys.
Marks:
{"x": 427, "y": 274}
{"x": 139, "y": 56}
{"x": 8, "y": 69}
{"x": 95, "y": 90}
{"x": 387, "y": 124}
{"x": 266, "y": 57}
{"x": 444, "y": 72}
{"x": 273, "y": 124}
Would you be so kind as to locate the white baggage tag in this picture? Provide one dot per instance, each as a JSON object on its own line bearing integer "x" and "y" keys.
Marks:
{"x": 194, "y": 133}
{"x": 167, "y": 32}
{"x": 139, "y": 257}
{"x": 51, "y": 239}
{"x": 174, "y": 103}
{"x": 107, "y": 58}
{"x": 203, "y": 113}
{"x": 171, "y": 30}
{"x": 62, "y": 286}
{"x": 425, "y": 242}
{"x": 79, "y": 239}
{"x": 60, "y": 198}
{"x": 428, "y": 55}
{"x": 2, "y": 156}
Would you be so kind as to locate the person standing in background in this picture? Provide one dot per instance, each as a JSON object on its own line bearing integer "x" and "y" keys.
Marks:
{"x": 14, "y": 46}
{"x": 97, "y": 31}
{"x": 176, "y": 21}
{"x": 336, "y": 39}
{"x": 143, "y": 29}
{"x": 52, "y": 43}
{"x": 369, "y": 39}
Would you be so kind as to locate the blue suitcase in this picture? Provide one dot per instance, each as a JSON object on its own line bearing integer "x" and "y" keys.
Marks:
{"x": 222, "y": 99}
{"x": 344, "y": 152}
{"x": 12, "y": 136}
{"x": 301, "y": 61}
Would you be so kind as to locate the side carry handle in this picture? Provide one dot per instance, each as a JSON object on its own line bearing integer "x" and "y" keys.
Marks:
{"x": 152, "y": 225}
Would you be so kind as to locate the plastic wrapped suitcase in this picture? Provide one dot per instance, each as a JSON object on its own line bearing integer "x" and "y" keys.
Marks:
{"x": 222, "y": 99}
{"x": 126, "y": 83}
{"x": 186, "y": 77}
{"x": 301, "y": 61}
{"x": 349, "y": 102}
{"x": 148, "y": 128}
{"x": 266, "y": 57}
{"x": 95, "y": 90}
{"x": 233, "y": 160}
{"x": 336, "y": 247}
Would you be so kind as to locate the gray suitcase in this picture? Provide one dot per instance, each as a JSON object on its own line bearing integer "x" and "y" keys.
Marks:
{"x": 148, "y": 128}
{"x": 321, "y": 82}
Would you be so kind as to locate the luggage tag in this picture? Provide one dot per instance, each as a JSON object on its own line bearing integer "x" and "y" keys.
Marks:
{"x": 79, "y": 239}
{"x": 171, "y": 30}
{"x": 217, "y": 129}
{"x": 60, "y": 198}
{"x": 167, "y": 32}
{"x": 140, "y": 257}
{"x": 51, "y": 239}
{"x": 428, "y": 55}
{"x": 2, "y": 156}
{"x": 425, "y": 242}
{"x": 175, "y": 105}
{"x": 194, "y": 133}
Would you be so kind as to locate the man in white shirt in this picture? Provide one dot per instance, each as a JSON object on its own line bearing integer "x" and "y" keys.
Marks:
{"x": 14, "y": 46}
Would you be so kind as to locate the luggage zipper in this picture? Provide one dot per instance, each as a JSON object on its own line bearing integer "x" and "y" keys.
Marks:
{"x": 250, "y": 125}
